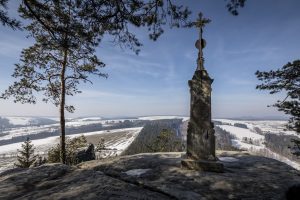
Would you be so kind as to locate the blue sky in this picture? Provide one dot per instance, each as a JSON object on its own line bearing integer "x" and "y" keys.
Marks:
{"x": 264, "y": 36}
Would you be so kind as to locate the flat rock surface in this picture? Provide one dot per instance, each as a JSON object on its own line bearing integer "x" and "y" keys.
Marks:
{"x": 152, "y": 176}
{"x": 246, "y": 176}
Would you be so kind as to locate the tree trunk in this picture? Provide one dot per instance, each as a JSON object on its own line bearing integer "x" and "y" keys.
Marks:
{"x": 62, "y": 111}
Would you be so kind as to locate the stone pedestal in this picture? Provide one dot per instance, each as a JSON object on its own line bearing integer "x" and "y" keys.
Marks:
{"x": 202, "y": 165}
{"x": 200, "y": 134}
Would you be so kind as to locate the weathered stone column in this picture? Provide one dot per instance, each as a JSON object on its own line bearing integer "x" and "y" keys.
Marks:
{"x": 200, "y": 134}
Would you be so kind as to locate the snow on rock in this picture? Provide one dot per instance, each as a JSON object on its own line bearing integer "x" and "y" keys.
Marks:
{"x": 228, "y": 159}
{"x": 276, "y": 156}
{"x": 136, "y": 172}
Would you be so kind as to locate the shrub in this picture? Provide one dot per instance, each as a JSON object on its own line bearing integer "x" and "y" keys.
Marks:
{"x": 26, "y": 156}
{"x": 165, "y": 142}
{"x": 72, "y": 145}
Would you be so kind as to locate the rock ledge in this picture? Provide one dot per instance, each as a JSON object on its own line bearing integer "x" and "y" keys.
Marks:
{"x": 152, "y": 176}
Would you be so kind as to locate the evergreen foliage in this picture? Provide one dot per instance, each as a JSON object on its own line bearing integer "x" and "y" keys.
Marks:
{"x": 285, "y": 145}
{"x": 39, "y": 161}
{"x": 287, "y": 80}
{"x": 5, "y": 19}
{"x": 151, "y": 133}
{"x": 166, "y": 141}
{"x": 101, "y": 145}
{"x": 224, "y": 139}
{"x": 4, "y": 123}
{"x": 234, "y": 5}
{"x": 26, "y": 156}
{"x": 72, "y": 145}
{"x": 240, "y": 125}
{"x": 66, "y": 33}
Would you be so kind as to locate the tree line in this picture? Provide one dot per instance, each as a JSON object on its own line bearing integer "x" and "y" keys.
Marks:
{"x": 158, "y": 135}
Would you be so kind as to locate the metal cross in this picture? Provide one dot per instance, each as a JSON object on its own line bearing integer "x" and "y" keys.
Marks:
{"x": 200, "y": 23}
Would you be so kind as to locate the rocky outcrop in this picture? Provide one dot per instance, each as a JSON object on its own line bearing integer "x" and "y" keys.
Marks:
{"x": 59, "y": 181}
{"x": 152, "y": 176}
{"x": 85, "y": 153}
{"x": 245, "y": 176}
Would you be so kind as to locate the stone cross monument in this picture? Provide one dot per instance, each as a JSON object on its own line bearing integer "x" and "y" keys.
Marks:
{"x": 200, "y": 134}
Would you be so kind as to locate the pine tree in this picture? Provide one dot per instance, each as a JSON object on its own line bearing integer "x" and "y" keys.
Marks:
{"x": 234, "y": 5}
{"x": 286, "y": 80}
{"x": 4, "y": 123}
{"x": 101, "y": 145}
{"x": 72, "y": 145}
{"x": 166, "y": 141}
{"x": 66, "y": 33}
{"x": 26, "y": 156}
{"x": 5, "y": 19}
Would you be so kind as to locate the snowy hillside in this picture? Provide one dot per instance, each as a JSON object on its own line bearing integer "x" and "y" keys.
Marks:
{"x": 29, "y": 121}
{"x": 247, "y": 135}
{"x": 266, "y": 126}
{"x": 250, "y": 136}
{"x": 42, "y": 145}
{"x": 26, "y": 128}
{"x": 118, "y": 139}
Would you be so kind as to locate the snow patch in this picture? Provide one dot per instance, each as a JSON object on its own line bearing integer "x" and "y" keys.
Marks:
{"x": 228, "y": 159}
{"x": 136, "y": 172}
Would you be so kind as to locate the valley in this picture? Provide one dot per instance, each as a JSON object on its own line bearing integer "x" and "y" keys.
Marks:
{"x": 120, "y": 133}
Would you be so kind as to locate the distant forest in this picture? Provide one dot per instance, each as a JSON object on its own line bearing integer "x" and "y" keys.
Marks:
{"x": 149, "y": 135}
{"x": 281, "y": 144}
{"x": 152, "y": 129}
{"x": 223, "y": 140}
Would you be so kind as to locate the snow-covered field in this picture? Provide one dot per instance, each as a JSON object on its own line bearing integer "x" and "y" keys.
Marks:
{"x": 257, "y": 139}
{"x": 27, "y": 125}
{"x": 24, "y": 128}
{"x": 121, "y": 139}
{"x": 42, "y": 145}
{"x": 266, "y": 126}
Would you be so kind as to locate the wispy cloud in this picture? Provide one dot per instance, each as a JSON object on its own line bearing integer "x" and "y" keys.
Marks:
{"x": 10, "y": 49}
{"x": 94, "y": 94}
{"x": 11, "y": 46}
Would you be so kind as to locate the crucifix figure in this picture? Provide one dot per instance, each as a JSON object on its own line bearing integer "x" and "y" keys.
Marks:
{"x": 200, "y": 43}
